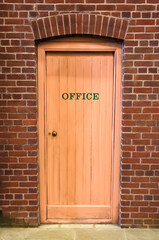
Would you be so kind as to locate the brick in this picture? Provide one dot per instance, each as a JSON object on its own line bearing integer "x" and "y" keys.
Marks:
{"x": 141, "y": 129}
{"x": 143, "y": 63}
{"x": 149, "y": 135}
{"x": 19, "y": 202}
{"x": 123, "y": 29}
{"x": 146, "y": 7}
{"x": 45, "y": 7}
{"x": 104, "y": 26}
{"x": 41, "y": 28}
{"x": 145, "y": 22}
{"x": 73, "y": 24}
{"x": 28, "y": 159}
{"x": 17, "y": 129}
{"x": 139, "y": 191}
{"x": 150, "y": 110}
{"x": 47, "y": 27}
{"x": 54, "y": 26}
{"x": 6, "y": 7}
{"x": 127, "y": 43}
{"x": 125, "y": 7}
{"x": 7, "y": 56}
{"x": 79, "y": 23}
{"x": 17, "y": 153}
{"x": 20, "y": 190}
{"x": 13, "y": 21}
{"x": 129, "y": 209}
{"x": 17, "y": 116}
{"x": 111, "y": 27}
{"x": 65, "y": 7}
{"x": 18, "y": 178}
{"x": 139, "y": 215}
{"x": 85, "y": 24}
{"x": 131, "y": 110}
{"x": 155, "y": 15}
{"x": 141, "y": 154}
{"x": 66, "y": 24}
{"x": 143, "y": 50}
{"x": 6, "y": 29}
{"x": 27, "y": 184}
{"x": 152, "y": 29}
{"x": 117, "y": 28}
{"x": 126, "y": 221}
{"x": 105, "y": 7}
{"x": 131, "y": 135}
{"x": 25, "y": 56}
{"x": 130, "y": 185}
{"x": 27, "y": 135}
{"x": 82, "y": 8}
{"x": 23, "y": 7}
{"x": 98, "y": 25}
{"x": 142, "y": 90}
{"x": 151, "y": 57}
{"x": 24, "y": 14}
{"x": 92, "y": 24}
{"x": 60, "y": 25}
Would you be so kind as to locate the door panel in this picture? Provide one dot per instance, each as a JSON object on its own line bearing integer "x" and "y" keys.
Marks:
{"x": 79, "y": 158}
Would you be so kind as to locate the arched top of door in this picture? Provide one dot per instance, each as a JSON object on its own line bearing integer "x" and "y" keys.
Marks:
{"x": 79, "y": 24}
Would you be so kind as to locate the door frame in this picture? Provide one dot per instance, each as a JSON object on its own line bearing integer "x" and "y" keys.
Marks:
{"x": 80, "y": 44}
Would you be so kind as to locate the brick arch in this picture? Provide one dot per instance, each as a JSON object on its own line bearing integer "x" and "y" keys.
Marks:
{"x": 67, "y": 24}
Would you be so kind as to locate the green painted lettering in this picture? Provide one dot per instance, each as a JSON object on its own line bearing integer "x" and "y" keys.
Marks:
{"x": 72, "y": 95}
{"x": 95, "y": 96}
{"x": 78, "y": 95}
{"x": 87, "y": 96}
{"x": 67, "y": 96}
{"x": 84, "y": 95}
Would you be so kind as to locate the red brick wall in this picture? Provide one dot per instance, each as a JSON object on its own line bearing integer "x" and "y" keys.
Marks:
{"x": 140, "y": 106}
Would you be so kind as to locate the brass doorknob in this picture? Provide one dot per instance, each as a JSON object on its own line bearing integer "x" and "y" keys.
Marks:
{"x": 54, "y": 133}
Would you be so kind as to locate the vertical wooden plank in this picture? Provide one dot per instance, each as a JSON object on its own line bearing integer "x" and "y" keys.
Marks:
{"x": 102, "y": 134}
{"x": 79, "y": 130}
{"x": 96, "y": 78}
{"x": 63, "y": 129}
{"x": 105, "y": 127}
{"x": 109, "y": 130}
{"x": 52, "y": 123}
{"x": 87, "y": 63}
{"x": 71, "y": 131}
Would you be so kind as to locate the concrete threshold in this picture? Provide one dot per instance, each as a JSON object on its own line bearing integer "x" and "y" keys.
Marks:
{"x": 78, "y": 232}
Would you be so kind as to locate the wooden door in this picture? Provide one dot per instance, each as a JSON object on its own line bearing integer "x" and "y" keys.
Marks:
{"x": 79, "y": 84}
{"x": 79, "y": 107}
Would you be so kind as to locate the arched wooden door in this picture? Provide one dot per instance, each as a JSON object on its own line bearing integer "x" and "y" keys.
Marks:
{"x": 79, "y": 130}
